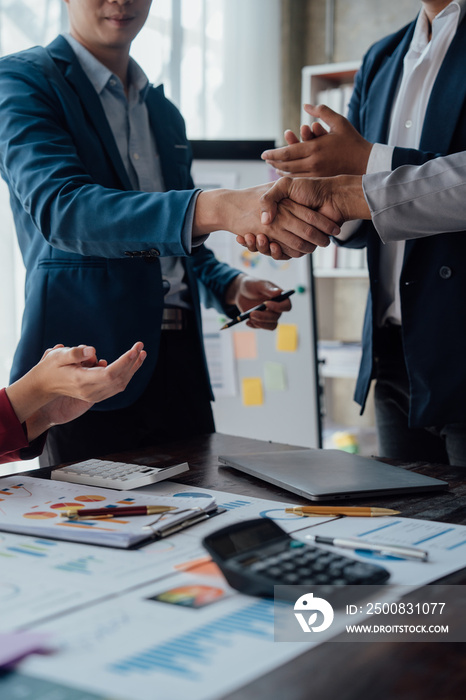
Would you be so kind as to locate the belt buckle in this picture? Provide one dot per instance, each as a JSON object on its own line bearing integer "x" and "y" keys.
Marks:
{"x": 172, "y": 319}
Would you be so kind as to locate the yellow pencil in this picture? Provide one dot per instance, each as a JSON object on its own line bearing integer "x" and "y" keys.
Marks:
{"x": 355, "y": 512}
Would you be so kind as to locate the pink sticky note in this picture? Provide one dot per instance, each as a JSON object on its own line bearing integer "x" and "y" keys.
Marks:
{"x": 245, "y": 345}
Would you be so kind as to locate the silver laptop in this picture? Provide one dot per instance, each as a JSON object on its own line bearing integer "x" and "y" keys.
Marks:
{"x": 330, "y": 474}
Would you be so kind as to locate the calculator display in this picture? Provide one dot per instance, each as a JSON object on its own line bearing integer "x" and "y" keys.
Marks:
{"x": 242, "y": 540}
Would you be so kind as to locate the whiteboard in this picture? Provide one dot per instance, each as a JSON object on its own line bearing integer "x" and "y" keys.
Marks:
{"x": 261, "y": 391}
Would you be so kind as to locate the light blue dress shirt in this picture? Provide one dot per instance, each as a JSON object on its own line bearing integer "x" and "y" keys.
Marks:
{"x": 129, "y": 121}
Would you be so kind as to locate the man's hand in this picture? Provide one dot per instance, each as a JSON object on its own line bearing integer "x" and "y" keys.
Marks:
{"x": 341, "y": 150}
{"x": 246, "y": 292}
{"x": 317, "y": 194}
{"x": 338, "y": 198}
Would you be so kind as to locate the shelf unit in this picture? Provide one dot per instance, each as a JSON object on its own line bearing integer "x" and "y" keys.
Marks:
{"x": 341, "y": 272}
{"x": 328, "y": 76}
{"x": 341, "y": 284}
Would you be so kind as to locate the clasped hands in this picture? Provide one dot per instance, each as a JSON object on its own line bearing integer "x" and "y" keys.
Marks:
{"x": 67, "y": 382}
{"x": 312, "y": 187}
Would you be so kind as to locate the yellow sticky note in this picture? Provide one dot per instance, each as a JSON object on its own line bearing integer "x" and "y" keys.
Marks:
{"x": 245, "y": 343}
{"x": 251, "y": 391}
{"x": 287, "y": 337}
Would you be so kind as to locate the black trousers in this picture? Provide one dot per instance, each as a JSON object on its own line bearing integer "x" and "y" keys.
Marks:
{"x": 175, "y": 404}
{"x": 442, "y": 444}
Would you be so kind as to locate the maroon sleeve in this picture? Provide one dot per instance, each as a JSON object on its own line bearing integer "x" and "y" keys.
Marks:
{"x": 14, "y": 444}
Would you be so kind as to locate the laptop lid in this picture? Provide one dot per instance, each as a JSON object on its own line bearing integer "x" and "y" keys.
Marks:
{"x": 330, "y": 474}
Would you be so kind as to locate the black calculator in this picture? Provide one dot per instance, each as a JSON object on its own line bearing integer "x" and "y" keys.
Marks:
{"x": 256, "y": 555}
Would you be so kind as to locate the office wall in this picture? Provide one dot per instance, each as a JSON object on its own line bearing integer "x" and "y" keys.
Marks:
{"x": 357, "y": 24}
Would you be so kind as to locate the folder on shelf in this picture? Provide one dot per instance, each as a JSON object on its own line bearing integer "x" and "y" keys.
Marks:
{"x": 339, "y": 358}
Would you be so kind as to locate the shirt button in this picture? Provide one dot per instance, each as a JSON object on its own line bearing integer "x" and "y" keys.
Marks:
{"x": 445, "y": 272}
{"x": 136, "y": 156}
{"x": 408, "y": 123}
{"x": 112, "y": 82}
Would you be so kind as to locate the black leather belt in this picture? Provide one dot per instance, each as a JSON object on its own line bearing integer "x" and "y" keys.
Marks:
{"x": 388, "y": 339}
{"x": 174, "y": 319}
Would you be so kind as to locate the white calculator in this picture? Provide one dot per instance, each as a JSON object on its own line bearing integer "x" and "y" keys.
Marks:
{"x": 116, "y": 475}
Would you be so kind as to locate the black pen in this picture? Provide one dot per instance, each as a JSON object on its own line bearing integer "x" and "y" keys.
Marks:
{"x": 260, "y": 307}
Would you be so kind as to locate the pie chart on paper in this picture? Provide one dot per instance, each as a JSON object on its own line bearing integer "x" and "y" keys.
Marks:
{"x": 40, "y": 515}
{"x": 90, "y": 498}
{"x": 65, "y": 506}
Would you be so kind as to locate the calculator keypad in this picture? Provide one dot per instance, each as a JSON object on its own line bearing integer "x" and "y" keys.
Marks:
{"x": 115, "y": 475}
{"x": 308, "y": 565}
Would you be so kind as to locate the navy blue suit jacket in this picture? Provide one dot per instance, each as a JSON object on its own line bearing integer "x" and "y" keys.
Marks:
{"x": 433, "y": 281}
{"x": 90, "y": 244}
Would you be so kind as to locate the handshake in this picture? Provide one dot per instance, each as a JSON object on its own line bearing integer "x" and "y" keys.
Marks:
{"x": 321, "y": 189}
{"x": 317, "y": 207}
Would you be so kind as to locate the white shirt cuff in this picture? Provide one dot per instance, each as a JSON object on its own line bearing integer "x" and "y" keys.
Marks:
{"x": 380, "y": 158}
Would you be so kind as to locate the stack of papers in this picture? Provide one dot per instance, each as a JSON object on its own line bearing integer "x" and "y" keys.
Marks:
{"x": 31, "y": 506}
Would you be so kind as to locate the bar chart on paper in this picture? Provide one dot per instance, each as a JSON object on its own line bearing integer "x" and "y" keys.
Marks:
{"x": 187, "y": 655}
{"x": 183, "y": 652}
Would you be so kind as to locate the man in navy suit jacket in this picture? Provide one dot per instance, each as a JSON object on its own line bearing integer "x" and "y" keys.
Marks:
{"x": 408, "y": 106}
{"x": 111, "y": 228}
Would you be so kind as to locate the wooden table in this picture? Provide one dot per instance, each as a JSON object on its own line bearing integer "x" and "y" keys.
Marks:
{"x": 337, "y": 671}
{"x": 340, "y": 671}
{"x": 202, "y": 454}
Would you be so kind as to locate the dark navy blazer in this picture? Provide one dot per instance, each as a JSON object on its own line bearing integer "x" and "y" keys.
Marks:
{"x": 433, "y": 278}
{"x": 90, "y": 244}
